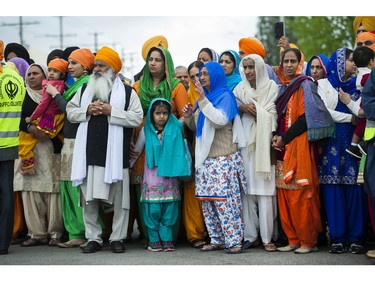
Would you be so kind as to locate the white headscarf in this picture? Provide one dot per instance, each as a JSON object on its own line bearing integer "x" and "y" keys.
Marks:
{"x": 258, "y": 131}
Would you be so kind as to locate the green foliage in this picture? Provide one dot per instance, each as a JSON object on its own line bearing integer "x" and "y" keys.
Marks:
{"x": 312, "y": 35}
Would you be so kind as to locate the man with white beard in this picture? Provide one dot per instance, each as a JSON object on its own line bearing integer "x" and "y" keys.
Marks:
{"x": 108, "y": 111}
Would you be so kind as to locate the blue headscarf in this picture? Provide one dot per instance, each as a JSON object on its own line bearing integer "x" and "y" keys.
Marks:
{"x": 220, "y": 95}
{"x": 336, "y": 72}
{"x": 170, "y": 154}
{"x": 235, "y": 77}
{"x": 323, "y": 61}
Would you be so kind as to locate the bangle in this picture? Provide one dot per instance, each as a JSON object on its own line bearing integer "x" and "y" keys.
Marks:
{"x": 55, "y": 94}
{"x": 28, "y": 126}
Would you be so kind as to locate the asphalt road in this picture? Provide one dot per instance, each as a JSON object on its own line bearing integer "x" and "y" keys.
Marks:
{"x": 137, "y": 260}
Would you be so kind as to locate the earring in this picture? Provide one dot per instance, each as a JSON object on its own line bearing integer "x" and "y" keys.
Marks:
{"x": 85, "y": 71}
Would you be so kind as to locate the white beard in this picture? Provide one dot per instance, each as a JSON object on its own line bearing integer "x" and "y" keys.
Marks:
{"x": 100, "y": 84}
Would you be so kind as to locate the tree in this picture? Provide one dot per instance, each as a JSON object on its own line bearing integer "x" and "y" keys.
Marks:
{"x": 312, "y": 35}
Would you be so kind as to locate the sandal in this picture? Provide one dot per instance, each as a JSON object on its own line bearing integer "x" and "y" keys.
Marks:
{"x": 234, "y": 250}
{"x": 270, "y": 247}
{"x": 54, "y": 241}
{"x": 212, "y": 247}
{"x": 197, "y": 243}
{"x": 34, "y": 242}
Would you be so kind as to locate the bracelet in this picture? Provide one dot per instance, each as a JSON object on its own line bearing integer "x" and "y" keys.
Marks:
{"x": 55, "y": 94}
{"x": 28, "y": 126}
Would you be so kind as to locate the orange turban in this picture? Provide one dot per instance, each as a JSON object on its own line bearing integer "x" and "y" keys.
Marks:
{"x": 252, "y": 45}
{"x": 1, "y": 54}
{"x": 84, "y": 57}
{"x": 367, "y": 36}
{"x": 367, "y": 22}
{"x": 158, "y": 40}
{"x": 110, "y": 57}
{"x": 59, "y": 64}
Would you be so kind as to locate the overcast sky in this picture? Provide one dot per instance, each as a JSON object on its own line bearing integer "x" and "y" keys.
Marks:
{"x": 126, "y": 34}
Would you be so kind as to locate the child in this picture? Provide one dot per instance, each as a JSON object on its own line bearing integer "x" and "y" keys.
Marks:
{"x": 47, "y": 116}
{"x": 364, "y": 59}
{"x": 166, "y": 156}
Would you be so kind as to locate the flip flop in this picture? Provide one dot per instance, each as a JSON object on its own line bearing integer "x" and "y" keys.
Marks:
{"x": 212, "y": 247}
{"x": 34, "y": 242}
{"x": 198, "y": 243}
{"x": 234, "y": 250}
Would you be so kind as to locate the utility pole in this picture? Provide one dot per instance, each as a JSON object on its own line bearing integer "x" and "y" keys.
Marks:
{"x": 95, "y": 41}
{"x": 21, "y": 24}
{"x": 61, "y": 35}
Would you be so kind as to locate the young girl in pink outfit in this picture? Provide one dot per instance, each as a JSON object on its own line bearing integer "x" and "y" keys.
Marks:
{"x": 47, "y": 116}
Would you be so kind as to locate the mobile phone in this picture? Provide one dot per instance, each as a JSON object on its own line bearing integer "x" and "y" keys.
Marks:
{"x": 279, "y": 30}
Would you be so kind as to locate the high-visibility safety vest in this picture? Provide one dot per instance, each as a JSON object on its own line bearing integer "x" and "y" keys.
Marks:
{"x": 12, "y": 94}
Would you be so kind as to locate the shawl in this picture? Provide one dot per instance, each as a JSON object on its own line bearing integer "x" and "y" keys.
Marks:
{"x": 192, "y": 93}
{"x": 73, "y": 88}
{"x": 114, "y": 157}
{"x": 258, "y": 131}
{"x": 168, "y": 155}
{"x": 164, "y": 88}
{"x": 224, "y": 100}
{"x": 234, "y": 78}
{"x": 336, "y": 72}
{"x": 323, "y": 61}
{"x": 318, "y": 119}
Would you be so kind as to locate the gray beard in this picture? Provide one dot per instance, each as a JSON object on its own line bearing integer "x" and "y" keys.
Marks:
{"x": 100, "y": 85}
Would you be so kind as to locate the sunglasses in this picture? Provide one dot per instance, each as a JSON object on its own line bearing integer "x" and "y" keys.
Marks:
{"x": 366, "y": 43}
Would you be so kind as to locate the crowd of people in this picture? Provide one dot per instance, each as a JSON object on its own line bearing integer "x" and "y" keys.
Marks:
{"x": 226, "y": 153}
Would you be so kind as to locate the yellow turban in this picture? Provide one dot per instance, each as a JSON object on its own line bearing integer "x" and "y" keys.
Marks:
{"x": 252, "y": 45}
{"x": 110, "y": 57}
{"x": 158, "y": 40}
{"x": 59, "y": 64}
{"x": 84, "y": 57}
{"x": 1, "y": 54}
{"x": 367, "y": 22}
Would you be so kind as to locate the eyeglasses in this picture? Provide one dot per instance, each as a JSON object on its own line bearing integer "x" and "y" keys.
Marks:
{"x": 203, "y": 74}
{"x": 366, "y": 43}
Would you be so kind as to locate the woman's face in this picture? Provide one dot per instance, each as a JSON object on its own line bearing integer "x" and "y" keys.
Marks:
{"x": 205, "y": 78}
{"x": 227, "y": 64}
{"x": 290, "y": 64}
{"x": 350, "y": 67}
{"x": 194, "y": 74}
{"x": 249, "y": 69}
{"x": 156, "y": 64}
{"x": 316, "y": 69}
{"x": 75, "y": 68}
{"x": 35, "y": 77}
{"x": 204, "y": 57}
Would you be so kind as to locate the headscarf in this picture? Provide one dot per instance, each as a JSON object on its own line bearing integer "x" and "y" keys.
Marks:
{"x": 234, "y": 78}
{"x": 336, "y": 72}
{"x": 19, "y": 50}
{"x": 367, "y": 22}
{"x": 323, "y": 61}
{"x": 169, "y": 155}
{"x": 222, "y": 99}
{"x": 212, "y": 52}
{"x": 21, "y": 65}
{"x": 1, "y": 54}
{"x": 110, "y": 57}
{"x": 35, "y": 95}
{"x": 252, "y": 45}
{"x": 59, "y": 64}
{"x": 258, "y": 130}
{"x": 367, "y": 36}
{"x": 84, "y": 57}
{"x": 158, "y": 40}
{"x": 164, "y": 88}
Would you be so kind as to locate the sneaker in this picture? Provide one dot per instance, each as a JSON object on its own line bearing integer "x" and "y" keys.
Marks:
{"x": 154, "y": 246}
{"x": 357, "y": 249}
{"x": 354, "y": 151}
{"x": 168, "y": 246}
{"x": 363, "y": 147}
{"x": 336, "y": 248}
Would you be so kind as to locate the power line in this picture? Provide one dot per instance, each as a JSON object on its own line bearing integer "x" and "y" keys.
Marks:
{"x": 21, "y": 24}
{"x": 61, "y": 35}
